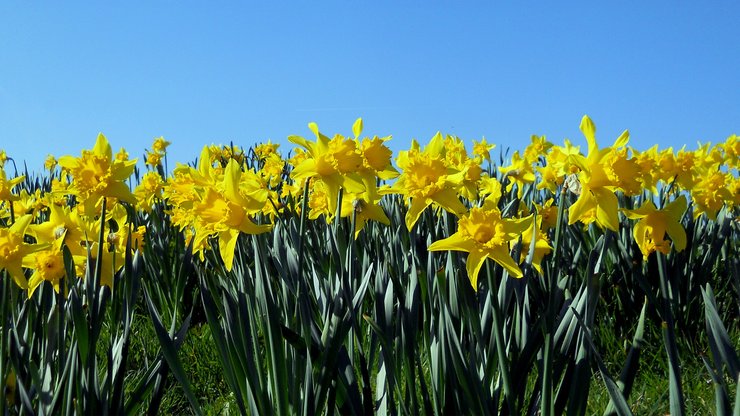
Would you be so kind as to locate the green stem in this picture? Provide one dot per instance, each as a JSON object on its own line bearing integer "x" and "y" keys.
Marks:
{"x": 558, "y": 225}
{"x": 547, "y": 406}
{"x": 4, "y": 336}
{"x": 302, "y": 295}
{"x": 12, "y": 212}
{"x": 669, "y": 340}
{"x": 503, "y": 360}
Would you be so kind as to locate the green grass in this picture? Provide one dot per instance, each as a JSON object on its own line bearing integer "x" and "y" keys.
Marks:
{"x": 649, "y": 394}
{"x": 200, "y": 361}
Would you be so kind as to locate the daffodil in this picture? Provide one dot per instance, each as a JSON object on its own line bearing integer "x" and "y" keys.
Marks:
{"x": 66, "y": 223}
{"x": 686, "y": 168}
{"x": 222, "y": 154}
{"x": 541, "y": 244}
{"x": 149, "y": 190}
{"x": 520, "y": 172}
{"x": 489, "y": 190}
{"x": 50, "y": 163}
{"x": 47, "y": 265}
{"x": 318, "y": 202}
{"x": 597, "y": 201}
{"x": 364, "y": 207}
{"x": 376, "y": 157}
{"x": 484, "y": 234}
{"x": 153, "y": 159}
{"x": 225, "y": 211}
{"x": 454, "y": 151}
{"x": 160, "y": 144}
{"x": 110, "y": 263}
{"x": 336, "y": 162}
{"x": 653, "y": 224}
{"x": 13, "y": 249}
{"x": 708, "y": 157}
{"x": 97, "y": 175}
{"x": 7, "y": 185}
{"x": 25, "y": 203}
{"x": 561, "y": 162}
{"x": 623, "y": 171}
{"x": 647, "y": 163}
{"x": 550, "y": 178}
{"x": 427, "y": 179}
{"x": 263, "y": 150}
{"x": 538, "y": 147}
{"x": 272, "y": 169}
{"x": 548, "y": 213}
{"x": 731, "y": 149}
{"x": 710, "y": 193}
{"x": 482, "y": 149}
{"x": 468, "y": 177}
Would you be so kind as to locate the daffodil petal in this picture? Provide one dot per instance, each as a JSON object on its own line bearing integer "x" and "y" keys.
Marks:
{"x": 418, "y": 205}
{"x": 455, "y": 242}
{"x": 676, "y": 209}
{"x": 226, "y": 246}
{"x": 646, "y": 209}
{"x": 607, "y": 209}
{"x": 677, "y": 233}
{"x": 474, "y": 262}
{"x": 501, "y": 256}
{"x": 102, "y": 147}
{"x": 588, "y": 128}
{"x": 583, "y": 204}
{"x": 448, "y": 199}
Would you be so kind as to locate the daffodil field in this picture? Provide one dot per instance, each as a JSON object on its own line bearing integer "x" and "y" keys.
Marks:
{"x": 341, "y": 278}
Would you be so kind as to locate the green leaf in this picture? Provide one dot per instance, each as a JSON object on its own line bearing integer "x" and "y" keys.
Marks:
{"x": 169, "y": 350}
{"x": 620, "y": 404}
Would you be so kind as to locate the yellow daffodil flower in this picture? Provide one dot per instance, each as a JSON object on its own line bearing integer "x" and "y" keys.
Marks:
{"x": 97, "y": 175}
{"x": 47, "y": 265}
{"x": 149, "y": 190}
{"x": 647, "y": 163}
{"x": 7, "y": 185}
{"x": 50, "y": 163}
{"x": 376, "y": 157}
{"x": 731, "y": 149}
{"x": 541, "y": 245}
{"x": 482, "y": 149}
{"x": 538, "y": 146}
{"x": 364, "y": 209}
{"x": 336, "y": 162}
{"x": 520, "y": 172}
{"x": 490, "y": 191}
{"x": 160, "y": 144}
{"x": 225, "y": 211}
{"x": 548, "y": 213}
{"x": 653, "y": 224}
{"x": 13, "y": 249}
{"x": 426, "y": 179}
{"x": 484, "y": 234}
{"x": 710, "y": 193}
{"x": 597, "y": 201}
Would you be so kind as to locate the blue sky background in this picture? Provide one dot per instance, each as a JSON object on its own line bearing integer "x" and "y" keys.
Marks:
{"x": 213, "y": 72}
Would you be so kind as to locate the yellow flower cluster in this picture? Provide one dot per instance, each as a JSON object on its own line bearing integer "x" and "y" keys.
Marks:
{"x": 352, "y": 165}
{"x": 68, "y": 215}
{"x": 230, "y": 192}
{"x": 216, "y": 200}
{"x": 159, "y": 150}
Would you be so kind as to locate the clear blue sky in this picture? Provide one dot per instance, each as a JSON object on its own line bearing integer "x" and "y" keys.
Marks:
{"x": 213, "y": 72}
